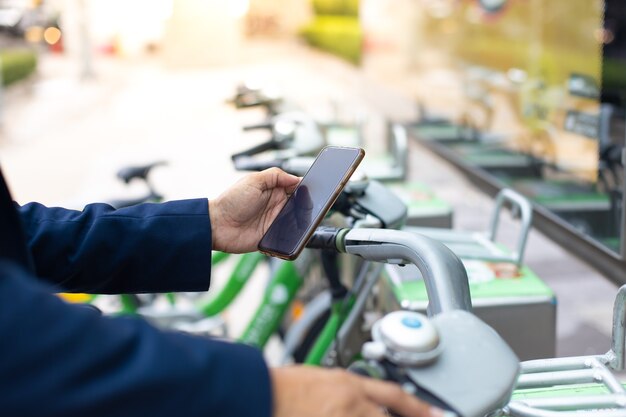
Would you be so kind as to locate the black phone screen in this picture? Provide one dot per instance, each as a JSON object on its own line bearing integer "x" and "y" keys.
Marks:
{"x": 310, "y": 201}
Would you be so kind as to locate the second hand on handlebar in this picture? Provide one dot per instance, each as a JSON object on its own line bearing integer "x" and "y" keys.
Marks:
{"x": 463, "y": 365}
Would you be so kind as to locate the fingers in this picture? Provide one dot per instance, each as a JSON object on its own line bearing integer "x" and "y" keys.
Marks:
{"x": 370, "y": 410}
{"x": 276, "y": 177}
{"x": 392, "y": 396}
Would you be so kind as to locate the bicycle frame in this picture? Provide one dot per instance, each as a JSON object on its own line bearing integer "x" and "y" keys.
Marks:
{"x": 279, "y": 295}
{"x": 327, "y": 350}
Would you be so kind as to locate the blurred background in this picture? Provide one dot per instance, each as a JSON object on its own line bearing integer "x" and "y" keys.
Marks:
{"x": 529, "y": 94}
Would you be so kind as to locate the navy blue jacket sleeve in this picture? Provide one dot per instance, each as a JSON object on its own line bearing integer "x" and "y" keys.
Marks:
{"x": 66, "y": 360}
{"x": 145, "y": 248}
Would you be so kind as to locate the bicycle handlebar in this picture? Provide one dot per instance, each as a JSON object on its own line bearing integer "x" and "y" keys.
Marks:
{"x": 126, "y": 174}
{"x": 444, "y": 274}
{"x": 270, "y": 145}
{"x": 452, "y": 360}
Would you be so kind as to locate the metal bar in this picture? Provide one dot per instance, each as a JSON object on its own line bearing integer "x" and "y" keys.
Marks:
{"x": 611, "y": 381}
{"x": 623, "y": 231}
{"x": 359, "y": 305}
{"x": 524, "y": 207}
{"x": 610, "y": 264}
{"x": 521, "y": 410}
{"x": 559, "y": 364}
{"x": 549, "y": 379}
{"x": 578, "y": 403}
{"x": 495, "y": 252}
{"x": 596, "y": 372}
{"x": 619, "y": 322}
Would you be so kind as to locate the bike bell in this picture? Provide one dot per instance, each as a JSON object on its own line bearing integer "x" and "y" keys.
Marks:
{"x": 405, "y": 338}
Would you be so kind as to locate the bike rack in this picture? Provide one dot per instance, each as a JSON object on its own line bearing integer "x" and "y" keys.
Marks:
{"x": 571, "y": 372}
{"x": 393, "y": 165}
{"x": 482, "y": 245}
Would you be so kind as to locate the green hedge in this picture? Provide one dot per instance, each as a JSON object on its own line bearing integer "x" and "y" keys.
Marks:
{"x": 336, "y": 7}
{"x": 341, "y": 35}
{"x": 336, "y": 28}
{"x": 17, "y": 64}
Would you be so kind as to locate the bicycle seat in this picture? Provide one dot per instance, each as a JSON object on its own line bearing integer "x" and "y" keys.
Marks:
{"x": 126, "y": 174}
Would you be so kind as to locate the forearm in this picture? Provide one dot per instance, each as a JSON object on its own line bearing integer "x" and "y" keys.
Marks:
{"x": 67, "y": 360}
{"x": 145, "y": 248}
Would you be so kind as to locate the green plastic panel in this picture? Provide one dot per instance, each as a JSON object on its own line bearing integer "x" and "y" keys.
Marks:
{"x": 343, "y": 136}
{"x": 436, "y": 132}
{"x": 563, "y": 391}
{"x": 487, "y": 280}
{"x": 419, "y": 198}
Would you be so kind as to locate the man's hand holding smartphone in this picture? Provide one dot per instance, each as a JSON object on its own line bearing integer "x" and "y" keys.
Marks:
{"x": 241, "y": 215}
{"x": 275, "y": 210}
{"x": 311, "y": 200}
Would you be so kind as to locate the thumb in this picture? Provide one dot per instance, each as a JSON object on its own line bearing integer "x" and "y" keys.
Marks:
{"x": 276, "y": 177}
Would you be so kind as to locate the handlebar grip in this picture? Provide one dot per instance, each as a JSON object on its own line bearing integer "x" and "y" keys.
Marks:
{"x": 266, "y": 125}
{"x": 262, "y": 147}
{"x": 326, "y": 237}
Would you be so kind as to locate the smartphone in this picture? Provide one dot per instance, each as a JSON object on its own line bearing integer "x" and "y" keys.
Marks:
{"x": 306, "y": 207}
